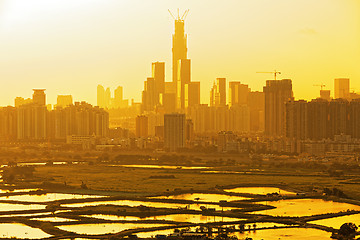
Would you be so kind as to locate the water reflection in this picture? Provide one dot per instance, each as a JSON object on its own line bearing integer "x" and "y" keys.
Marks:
{"x": 23, "y": 215}
{"x": 19, "y": 207}
{"x": 193, "y": 218}
{"x": 147, "y": 204}
{"x": 18, "y": 190}
{"x": 286, "y": 233}
{"x": 205, "y": 197}
{"x": 336, "y": 222}
{"x": 47, "y": 197}
{"x": 17, "y": 230}
{"x": 105, "y": 228}
{"x": 54, "y": 219}
{"x": 305, "y": 207}
{"x": 268, "y": 234}
{"x": 257, "y": 225}
{"x": 161, "y": 232}
{"x": 259, "y": 190}
{"x": 160, "y": 166}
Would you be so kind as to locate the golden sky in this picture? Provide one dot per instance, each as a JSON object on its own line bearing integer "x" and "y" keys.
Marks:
{"x": 71, "y": 46}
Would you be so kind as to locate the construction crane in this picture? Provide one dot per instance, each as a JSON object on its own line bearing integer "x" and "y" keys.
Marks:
{"x": 182, "y": 18}
{"x": 319, "y": 85}
{"x": 274, "y": 72}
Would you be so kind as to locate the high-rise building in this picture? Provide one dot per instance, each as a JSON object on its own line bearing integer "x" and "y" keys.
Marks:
{"x": 342, "y": 87}
{"x": 200, "y": 115}
{"x": 168, "y": 101}
{"x": 184, "y": 73}
{"x": 39, "y": 97}
{"x": 141, "y": 126}
{"x": 85, "y": 120}
{"x": 158, "y": 73}
{"x": 179, "y": 46}
{"x": 189, "y": 132}
{"x": 155, "y": 118}
{"x": 322, "y": 120}
{"x": 64, "y": 100}
{"x": 221, "y": 89}
{"x": 239, "y": 119}
{"x": 277, "y": 93}
{"x": 101, "y": 96}
{"x": 233, "y": 93}
{"x": 338, "y": 117}
{"x": 354, "y": 118}
{"x": 79, "y": 119}
{"x": 21, "y": 101}
{"x": 214, "y": 96}
{"x": 256, "y": 103}
{"x": 149, "y": 95}
{"x": 238, "y": 93}
{"x": 107, "y": 98}
{"x": 118, "y": 101}
{"x": 325, "y": 94}
{"x": 192, "y": 94}
{"x": 8, "y": 123}
{"x": 174, "y": 131}
{"x": 31, "y": 121}
{"x": 296, "y": 119}
{"x": 317, "y": 119}
{"x": 218, "y": 93}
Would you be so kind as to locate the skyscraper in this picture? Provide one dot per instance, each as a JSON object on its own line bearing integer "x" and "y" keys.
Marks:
{"x": 168, "y": 101}
{"x": 118, "y": 97}
{"x": 325, "y": 94}
{"x": 318, "y": 119}
{"x": 221, "y": 89}
{"x": 107, "y": 98}
{"x": 158, "y": 73}
{"x": 64, "y": 100}
{"x": 141, "y": 126}
{"x": 174, "y": 131}
{"x": 31, "y": 121}
{"x": 184, "y": 73}
{"x": 8, "y": 123}
{"x": 296, "y": 119}
{"x": 218, "y": 93}
{"x": 101, "y": 96}
{"x": 277, "y": 93}
{"x": 342, "y": 87}
{"x": 238, "y": 93}
{"x": 256, "y": 103}
{"x": 149, "y": 95}
{"x": 338, "y": 116}
{"x": 192, "y": 94}
{"x": 39, "y": 97}
{"x": 21, "y": 101}
{"x": 179, "y": 49}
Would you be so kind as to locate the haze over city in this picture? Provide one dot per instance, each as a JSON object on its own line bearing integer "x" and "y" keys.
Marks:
{"x": 180, "y": 120}
{"x": 69, "y": 47}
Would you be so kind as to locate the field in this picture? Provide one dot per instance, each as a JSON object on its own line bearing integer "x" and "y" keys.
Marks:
{"x": 111, "y": 176}
{"x": 130, "y": 179}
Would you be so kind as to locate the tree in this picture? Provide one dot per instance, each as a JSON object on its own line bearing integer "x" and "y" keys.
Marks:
{"x": 348, "y": 230}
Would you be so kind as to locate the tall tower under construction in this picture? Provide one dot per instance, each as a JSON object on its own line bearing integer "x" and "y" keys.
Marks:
{"x": 179, "y": 45}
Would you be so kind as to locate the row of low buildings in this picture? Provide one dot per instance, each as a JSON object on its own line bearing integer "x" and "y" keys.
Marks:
{"x": 229, "y": 142}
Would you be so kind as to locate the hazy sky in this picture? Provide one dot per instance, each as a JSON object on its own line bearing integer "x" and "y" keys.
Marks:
{"x": 71, "y": 46}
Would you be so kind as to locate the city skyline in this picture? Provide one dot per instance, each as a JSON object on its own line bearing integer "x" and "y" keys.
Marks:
{"x": 180, "y": 120}
{"x": 49, "y": 68}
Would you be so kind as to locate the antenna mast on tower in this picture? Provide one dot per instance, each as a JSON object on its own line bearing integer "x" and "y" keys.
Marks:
{"x": 182, "y": 18}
